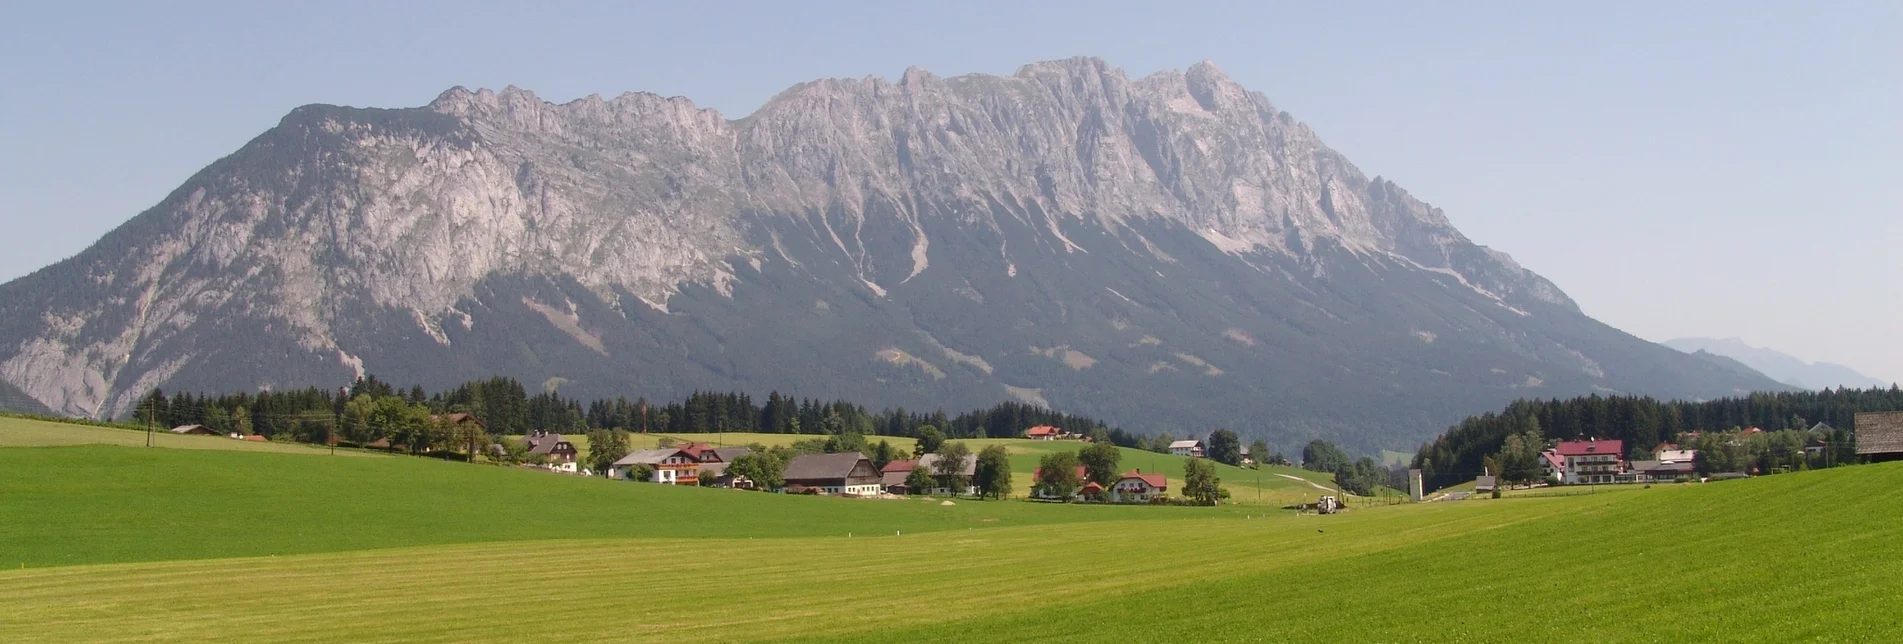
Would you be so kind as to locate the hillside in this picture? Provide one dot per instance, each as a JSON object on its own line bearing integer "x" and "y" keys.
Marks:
{"x": 1253, "y": 576}
{"x": 1165, "y": 253}
{"x": 1783, "y": 367}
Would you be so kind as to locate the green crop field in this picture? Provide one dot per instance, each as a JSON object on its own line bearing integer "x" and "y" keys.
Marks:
{"x": 112, "y": 543}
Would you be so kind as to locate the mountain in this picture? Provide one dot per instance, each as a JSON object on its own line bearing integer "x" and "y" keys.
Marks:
{"x": 1166, "y": 253}
{"x": 1780, "y": 366}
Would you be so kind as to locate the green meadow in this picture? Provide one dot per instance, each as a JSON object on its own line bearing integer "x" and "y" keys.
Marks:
{"x": 113, "y": 543}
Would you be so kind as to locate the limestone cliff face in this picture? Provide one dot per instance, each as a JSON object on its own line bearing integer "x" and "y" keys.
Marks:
{"x": 648, "y": 233}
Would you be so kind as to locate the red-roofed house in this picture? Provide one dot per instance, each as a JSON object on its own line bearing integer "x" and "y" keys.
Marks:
{"x": 1552, "y": 466}
{"x": 1037, "y": 472}
{"x": 1592, "y": 461}
{"x": 892, "y": 476}
{"x": 1042, "y": 433}
{"x": 1137, "y": 487}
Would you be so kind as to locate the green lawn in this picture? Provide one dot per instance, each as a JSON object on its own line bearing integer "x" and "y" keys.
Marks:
{"x": 1808, "y": 556}
{"x": 93, "y": 504}
{"x": 23, "y": 432}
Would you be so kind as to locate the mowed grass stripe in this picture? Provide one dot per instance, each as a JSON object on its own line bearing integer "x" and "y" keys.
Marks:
{"x": 719, "y": 589}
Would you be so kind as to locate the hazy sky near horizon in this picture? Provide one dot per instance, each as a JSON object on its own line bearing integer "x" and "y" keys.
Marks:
{"x": 1722, "y": 169}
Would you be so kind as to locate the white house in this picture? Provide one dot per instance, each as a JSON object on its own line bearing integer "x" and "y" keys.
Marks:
{"x": 1187, "y": 448}
{"x": 1137, "y": 487}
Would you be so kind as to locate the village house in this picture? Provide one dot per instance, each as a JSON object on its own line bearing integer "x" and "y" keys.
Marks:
{"x": 1552, "y": 466}
{"x": 668, "y": 465}
{"x": 1879, "y": 436}
{"x": 1137, "y": 487}
{"x": 968, "y": 469}
{"x": 1042, "y": 433}
{"x": 718, "y": 474}
{"x": 848, "y": 473}
{"x": 1187, "y": 448}
{"x": 1486, "y": 484}
{"x": 194, "y": 430}
{"x": 1592, "y": 461}
{"x": 1659, "y": 471}
{"x": 559, "y": 451}
{"x": 892, "y": 476}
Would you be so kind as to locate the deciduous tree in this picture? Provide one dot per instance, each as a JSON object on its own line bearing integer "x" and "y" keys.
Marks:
{"x": 950, "y": 467}
{"x": 1100, "y": 462}
{"x": 1057, "y": 475}
{"x": 1224, "y": 447}
{"x": 1200, "y": 483}
{"x": 994, "y": 472}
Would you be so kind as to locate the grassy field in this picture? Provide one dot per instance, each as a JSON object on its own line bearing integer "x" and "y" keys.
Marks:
{"x": 1776, "y": 558}
{"x": 95, "y": 504}
{"x": 22, "y": 432}
{"x": 118, "y": 544}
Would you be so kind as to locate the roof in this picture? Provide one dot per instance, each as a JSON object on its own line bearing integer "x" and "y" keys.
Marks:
{"x": 1663, "y": 466}
{"x": 968, "y": 468}
{"x": 1152, "y": 479}
{"x": 1090, "y": 488}
{"x": 727, "y": 454}
{"x": 457, "y": 418}
{"x": 1486, "y": 482}
{"x": 1185, "y": 444}
{"x": 903, "y": 466}
{"x": 1557, "y": 461}
{"x": 1591, "y": 448}
{"x": 545, "y": 443}
{"x": 1879, "y": 432}
{"x": 822, "y": 466}
{"x": 1042, "y": 430}
{"x": 890, "y": 479}
{"x": 256, "y": 437}
{"x": 1678, "y": 455}
{"x": 647, "y": 456}
{"x": 713, "y": 470}
{"x": 187, "y": 429}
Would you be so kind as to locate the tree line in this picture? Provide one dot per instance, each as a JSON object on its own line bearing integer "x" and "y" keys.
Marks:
{"x": 1479, "y": 443}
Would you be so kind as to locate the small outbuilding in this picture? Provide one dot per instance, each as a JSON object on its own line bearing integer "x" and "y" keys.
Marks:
{"x": 1879, "y": 436}
{"x": 195, "y": 430}
{"x": 1486, "y": 484}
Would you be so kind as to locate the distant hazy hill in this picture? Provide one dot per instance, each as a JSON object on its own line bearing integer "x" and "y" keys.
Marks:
{"x": 1784, "y": 368}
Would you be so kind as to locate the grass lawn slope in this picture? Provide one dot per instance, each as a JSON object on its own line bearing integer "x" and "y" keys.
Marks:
{"x": 25, "y": 432}
{"x": 1807, "y": 556}
{"x": 94, "y": 504}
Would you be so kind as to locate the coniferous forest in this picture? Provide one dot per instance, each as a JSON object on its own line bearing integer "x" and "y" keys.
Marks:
{"x": 506, "y": 408}
{"x": 1642, "y": 422}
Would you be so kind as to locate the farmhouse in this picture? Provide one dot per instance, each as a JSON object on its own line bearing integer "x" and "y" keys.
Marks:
{"x": 1187, "y": 448}
{"x": 195, "y": 430}
{"x": 1042, "y": 433}
{"x": 1137, "y": 487}
{"x": 1879, "y": 436}
{"x": 967, "y": 469}
{"x": 1592, "y": 461}
{"x": 848, "y": 473}
{"x": 1552, "y": 466}
{"x": 892, "y": 476}
{"x": 670, "y": 465}
{"x": 559, "y": 451}
{"x": 1660, "y": 471}
{"x": 457, "y": 419}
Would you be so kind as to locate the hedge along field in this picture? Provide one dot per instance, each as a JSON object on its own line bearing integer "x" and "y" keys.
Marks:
{"x": 25, "y": 432}
{"x": 95, "y": 504}
{"x": 1789, "y": 557}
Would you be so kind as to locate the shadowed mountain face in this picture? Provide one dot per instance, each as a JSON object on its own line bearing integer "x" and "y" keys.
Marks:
{"x": 1167, "y": 253}
{"x": 1783, "y": 367}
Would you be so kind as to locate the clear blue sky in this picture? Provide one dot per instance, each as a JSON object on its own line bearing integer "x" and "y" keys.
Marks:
{"x": 1718, "y": 169}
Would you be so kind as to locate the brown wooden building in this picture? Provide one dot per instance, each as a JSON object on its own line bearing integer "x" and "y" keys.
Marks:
{"x": 1880, "y": 436}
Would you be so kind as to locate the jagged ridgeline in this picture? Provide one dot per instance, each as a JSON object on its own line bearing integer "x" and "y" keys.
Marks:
{"x": 1167, "y": 253}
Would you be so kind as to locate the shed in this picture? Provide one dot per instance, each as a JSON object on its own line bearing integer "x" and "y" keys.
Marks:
{"x": 1486, "y": 483}
{"x": 1880, "y": 436}
{"x": 196, "y": 430}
